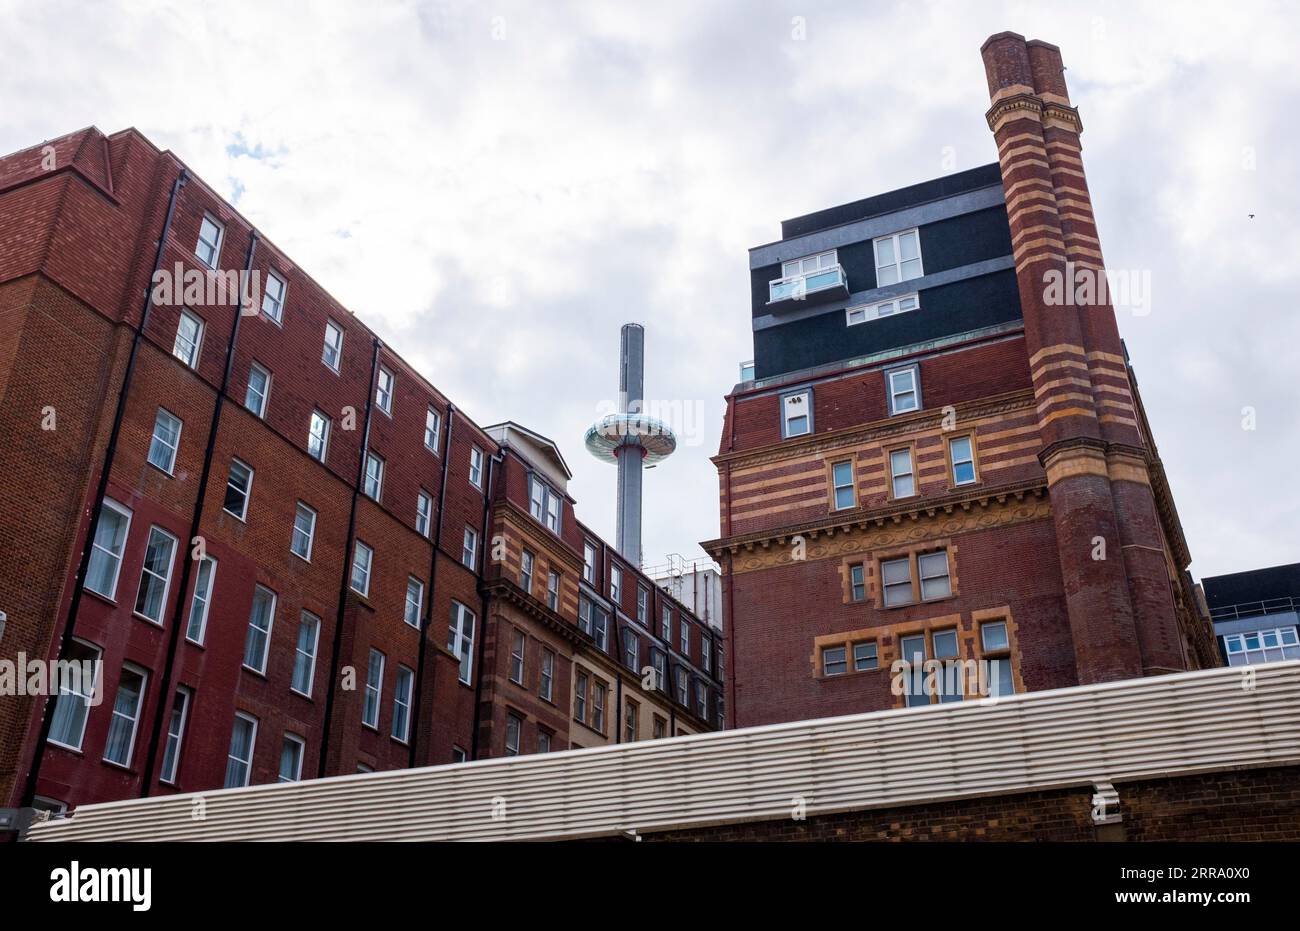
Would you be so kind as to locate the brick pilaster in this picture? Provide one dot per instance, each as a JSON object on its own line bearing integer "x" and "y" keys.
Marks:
{"x": 1029, "y": 106}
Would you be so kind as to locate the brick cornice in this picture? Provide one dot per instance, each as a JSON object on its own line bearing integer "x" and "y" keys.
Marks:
{"x": 506, "y": 590}
{"x": 945, "y": 515}
{"x": 1015, "y": 106}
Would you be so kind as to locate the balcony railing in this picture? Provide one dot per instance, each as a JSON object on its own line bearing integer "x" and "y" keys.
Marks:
{"x": 1255, "y": 608}
{"x": 823, "y": 284}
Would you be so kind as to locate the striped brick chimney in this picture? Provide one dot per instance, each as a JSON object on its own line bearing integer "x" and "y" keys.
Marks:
{"x": 1121, "y": 607}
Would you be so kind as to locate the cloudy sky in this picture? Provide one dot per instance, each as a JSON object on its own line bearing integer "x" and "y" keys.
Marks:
{"x": 496, "y": 187}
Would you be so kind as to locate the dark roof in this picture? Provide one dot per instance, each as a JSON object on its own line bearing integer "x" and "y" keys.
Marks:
{"x": 936, "y": 189}
{"x": 1254, "y": 585}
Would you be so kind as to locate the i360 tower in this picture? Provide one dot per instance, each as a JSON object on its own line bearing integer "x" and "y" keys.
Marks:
{"x": 630, "y": 439}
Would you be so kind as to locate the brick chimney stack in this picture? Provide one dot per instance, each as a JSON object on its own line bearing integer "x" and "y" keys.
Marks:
{"x": 1097, "y": 460}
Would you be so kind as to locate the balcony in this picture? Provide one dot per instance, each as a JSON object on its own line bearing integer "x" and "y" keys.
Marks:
{"x": 814, "y": 287}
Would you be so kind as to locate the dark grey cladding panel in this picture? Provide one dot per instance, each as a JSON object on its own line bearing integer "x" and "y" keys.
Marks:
{"x": 840, "y": 236}
{"x": 891, "y": 201}
{"x": 948, "y": 242}
{"x": 1247, "y": 625}
{"x": 1252, "y": 585}
{"x": 964, "y": 305}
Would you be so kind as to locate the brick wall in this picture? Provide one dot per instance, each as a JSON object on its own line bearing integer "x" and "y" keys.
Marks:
{"x": 1245, "y": 805}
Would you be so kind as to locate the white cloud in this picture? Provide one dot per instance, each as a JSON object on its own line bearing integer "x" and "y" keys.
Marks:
{"x": 499, "y": 207}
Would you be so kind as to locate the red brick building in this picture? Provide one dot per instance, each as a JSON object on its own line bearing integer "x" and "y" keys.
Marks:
{"x": 943, "y": 455}
{"x": 289, "y": 553}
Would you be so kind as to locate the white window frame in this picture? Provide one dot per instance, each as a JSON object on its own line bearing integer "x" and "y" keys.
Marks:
{"x": 896, "y": 475}
{"x": 553, "y": 589}
{"x": 589, "y": 562}
{"x": 87, "y": 697}
{"x": 97, "y": 548}
{"x": 969, "y": 459}
{"x": 175, "y": 739}
{"x": 659, "y": 663}
{"x": 253, "y": 630}
{"x": 469, "y": 548}
{"x": 817, "y": 266}
{"x": 545, "y": 504}
{"x": 886, "y": 586}
{"x": 165, "y": 577}
{"x": 418, "y": 604}
{"x": 836, "y": 656}
{"x": 837, "y": 486}
{"x": 864, "y": 662}
{"x": 303, "y": 656}
{"x": 134, "y": 718}
{"x": 301, "y": 752}
{"x": 865, "y": 313}
{"x": 476, "y": 467}
{"x": 895, "y": 239}
{"x": 616, "y": 584}
{"x": 264, "y": 395}
{"x": 309, "y": 533}
{"x": 337, "y": 346}
{"x": 642, "y": 604}
{"x": 914, "y": 694}
{"x": 384, "y": 383}
{"x": 518, "y": 645}
{"x": 631, "y": 649}
{"x": 191, "y": 356}
{"x": 432, "y": 428}
{"x": 272, "y": 306}
{"x": 666, "y": 625}
{"x": 318, "y": 417}
{"x": 247, "y": 764}
{"x": 684, "y": 632}
{"x": 373, "y": 692}
{"x": 374, "y": 480}
{"x": 580, "y": 681}
{"x": 358, "y": 548}
{"x": 892, "y": 390}
{"x": 857, "y": 582}
{"x": 201, "y": 603}
{"x": 514, "y": 733}
{"x": 402, "y": 698}
{"x": 460, "y": 643}
{"x": 1236, "y": 647}
{"x": 158, "y": 441}
{"x": 802, "y": 268}
{"x": 214, "y": 246}
{"x": 599, "y": 694}
{"x": 527, "y": 564}
{"x": 423, "y": 512}
{"x": 248, "y": 492}
{"x": 546, "y": 683}
{"x": 786, "y": 399}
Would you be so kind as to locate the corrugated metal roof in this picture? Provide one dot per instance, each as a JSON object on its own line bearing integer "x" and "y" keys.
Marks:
{"x": 1112, "y": 732}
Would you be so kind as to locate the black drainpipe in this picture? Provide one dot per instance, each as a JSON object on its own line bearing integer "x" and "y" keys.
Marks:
{"x": 347, "y": 561}
{"x": 163, "y": 708}
{"x": 79, "y": 584}
{"x": 433, "y": 578}
{"x": 483, "y": 599}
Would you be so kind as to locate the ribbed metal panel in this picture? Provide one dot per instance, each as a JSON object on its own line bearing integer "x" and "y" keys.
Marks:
{"x": 1113, "y": 732}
